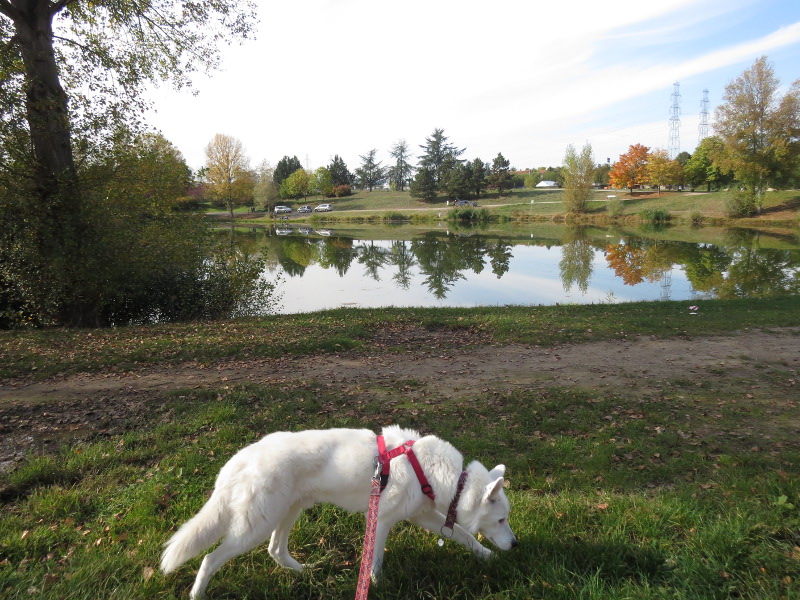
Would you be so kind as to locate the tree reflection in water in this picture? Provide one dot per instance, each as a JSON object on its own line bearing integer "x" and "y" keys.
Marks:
{"x": 740, "y": 266}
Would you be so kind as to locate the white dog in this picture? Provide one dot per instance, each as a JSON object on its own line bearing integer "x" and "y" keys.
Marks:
{"x": 261, "y": 491}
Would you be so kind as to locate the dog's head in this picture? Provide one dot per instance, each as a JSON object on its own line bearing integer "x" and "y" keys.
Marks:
{"x": 492, "y": 517}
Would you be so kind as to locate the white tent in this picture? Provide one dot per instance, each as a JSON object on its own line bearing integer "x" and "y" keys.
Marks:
{"x": 544, "y": 184}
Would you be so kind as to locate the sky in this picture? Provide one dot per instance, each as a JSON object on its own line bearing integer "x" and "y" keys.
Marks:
{"x": 517, "y": 77}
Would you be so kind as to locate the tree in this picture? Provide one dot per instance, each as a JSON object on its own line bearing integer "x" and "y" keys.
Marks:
{"x": 459, "y": 183}
{"x": 439, "y": 157}
{"x": 760, "y": 130}
{"x": 700, "y": 168}
{"x": 265, "y": 192}
{"x": 630, "y": 170}
{"x": 340, "y": 174}
{"x": 228, "y": 174}
{"x": 661, "y": 171}
{"x": 71, "y": 76}
{"x": 296, "y": 185}
{"x": 479, "y": 182}
{"x": 77, "y": 70}
{"x": 578, "y": 175}
{"x": 285, "y": 167}
{"x": 424, "y": 185}
{"x": 370, "y": 174}
{"x": 322, "y": 182}
{"x": 400, "y": 173}
{"x": 500, "y": 174}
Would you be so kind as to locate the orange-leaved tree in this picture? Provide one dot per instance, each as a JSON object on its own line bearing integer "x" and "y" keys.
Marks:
{"x": 630, "y": 170}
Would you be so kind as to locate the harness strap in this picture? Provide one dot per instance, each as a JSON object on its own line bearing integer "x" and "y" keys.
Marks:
{"x": 385, "y": 458}
{"x": 452, "y": 510}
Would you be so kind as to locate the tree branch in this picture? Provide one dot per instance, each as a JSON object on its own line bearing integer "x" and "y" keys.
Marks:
{"x": 9, "y": 10}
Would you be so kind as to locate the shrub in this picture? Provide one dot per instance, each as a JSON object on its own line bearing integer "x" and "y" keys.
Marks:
{"x": 741, "y": 204}
{"x": 341, "y": 190}
{"x": 656, "y": 216}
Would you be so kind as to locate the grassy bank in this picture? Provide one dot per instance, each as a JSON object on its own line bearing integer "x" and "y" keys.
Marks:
{"x": 524, "y": 205}
{"x": 689, "y": 491}
{"x": 42, "y": 353}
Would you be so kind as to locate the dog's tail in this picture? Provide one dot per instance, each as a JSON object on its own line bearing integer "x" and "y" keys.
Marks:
{"x": 194, "y": 536}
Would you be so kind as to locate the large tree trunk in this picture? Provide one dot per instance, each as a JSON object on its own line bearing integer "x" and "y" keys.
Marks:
{"x": 47, "y": 109}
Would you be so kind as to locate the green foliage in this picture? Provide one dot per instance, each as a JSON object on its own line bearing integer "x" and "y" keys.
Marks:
{"x": 400, "y": 172}
{"x": 340, "y": 174}
{"x": 578, "y": 175}
{"x": 138, "y": 260}
{"x": 656, "y": 216}
{"x": 424, "y": 185}
{"x": 285, "y": 167}
{"x": 296, "y": 185}
{"x": 439, "y": 158}
{"x": 499, "y": 175}
{"x": 370, "y": 174}
{"x": 742, "y": 203}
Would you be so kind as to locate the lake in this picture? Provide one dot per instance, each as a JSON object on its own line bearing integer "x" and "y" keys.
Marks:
{"x": 320, "y": 268}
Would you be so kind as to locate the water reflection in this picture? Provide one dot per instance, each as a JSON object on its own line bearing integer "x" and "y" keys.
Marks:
{"x": 324, "y": 269}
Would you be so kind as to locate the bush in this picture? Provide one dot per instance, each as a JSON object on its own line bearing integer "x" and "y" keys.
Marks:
{"x": 341, "y": 190}
{"x": 741, "y": 204}
{"x": 656, "y": 216}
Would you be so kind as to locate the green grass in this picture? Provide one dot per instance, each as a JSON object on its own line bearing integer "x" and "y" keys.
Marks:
{"x": 613, "y": 496}
{"x": 687, "y": 490}
{"x": 43, "y": 353}
{"x": 524, "y": 205}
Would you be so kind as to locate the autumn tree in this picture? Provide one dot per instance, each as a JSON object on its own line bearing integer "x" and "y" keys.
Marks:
{"x": 370, "y": 174}
{"x": 760, "y": 131}
{"x": 400, "y": 172}
{"x": 663, "y": 171}
{"x": 228, "y": 173}
{"x": 578, "y": 176}
{"x": 630, "y": 171}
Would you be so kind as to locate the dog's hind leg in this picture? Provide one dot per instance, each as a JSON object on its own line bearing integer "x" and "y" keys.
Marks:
{"x": 231, "y": 547}
{"x": 279, "y": 542}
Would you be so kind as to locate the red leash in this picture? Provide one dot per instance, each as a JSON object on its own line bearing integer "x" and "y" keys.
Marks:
{"x": 362, "y": 589}
{"x": 379, "y": 481}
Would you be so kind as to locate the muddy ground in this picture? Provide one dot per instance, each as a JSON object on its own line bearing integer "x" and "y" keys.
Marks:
{"x": 38, "y": 416}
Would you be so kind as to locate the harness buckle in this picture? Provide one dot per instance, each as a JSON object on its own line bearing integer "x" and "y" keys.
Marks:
{"x": 378, "y": 467}
{"x": 447, "y": 535}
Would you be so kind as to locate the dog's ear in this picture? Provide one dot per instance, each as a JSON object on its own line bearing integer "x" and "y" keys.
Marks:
{"x": 498, "y": 471}
{"x": 491, "y": 491}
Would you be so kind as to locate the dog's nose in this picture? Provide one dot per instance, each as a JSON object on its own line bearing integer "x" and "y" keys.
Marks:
{"x": 515, "y": 543}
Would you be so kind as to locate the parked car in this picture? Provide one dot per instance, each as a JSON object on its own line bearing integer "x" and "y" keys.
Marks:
{"x": 304, "y": 209}
{"x": 465, "y": 203}
{"x": 282, "y": 209}
{"x": 323, "y": 208}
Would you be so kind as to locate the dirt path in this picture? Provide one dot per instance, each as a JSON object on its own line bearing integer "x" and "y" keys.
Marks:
{"x": 37, "y": 416}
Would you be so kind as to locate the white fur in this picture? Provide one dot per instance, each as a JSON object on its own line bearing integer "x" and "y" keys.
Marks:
{"x": 261, "y": 491}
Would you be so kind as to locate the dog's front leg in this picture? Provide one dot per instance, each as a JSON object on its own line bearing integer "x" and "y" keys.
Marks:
{"x": 434, "y": 521}
{"x": 381, "y": 534}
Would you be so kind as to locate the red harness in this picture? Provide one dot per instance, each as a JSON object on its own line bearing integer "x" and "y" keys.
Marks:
{"x": 385, "y": 457}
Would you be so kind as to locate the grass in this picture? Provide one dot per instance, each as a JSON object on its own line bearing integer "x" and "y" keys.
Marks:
{"x": 42, "y": 353}
{"x": 523, "y": 205}
{"x": 613, "y": 497}
{"x": 688, "y": 490}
